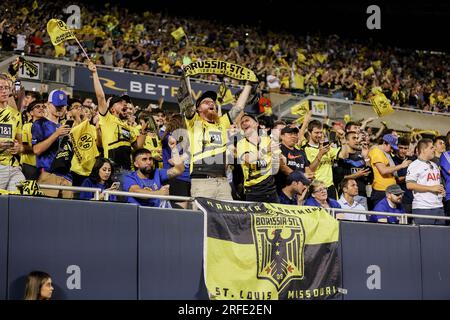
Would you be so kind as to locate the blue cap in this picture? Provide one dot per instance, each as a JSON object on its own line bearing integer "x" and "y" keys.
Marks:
{"x": 297, "y": 176}
{"x": 392, "y": 140}
{"x": 58, "y": 98}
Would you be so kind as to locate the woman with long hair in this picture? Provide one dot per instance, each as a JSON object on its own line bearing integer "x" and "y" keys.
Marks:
{"x": 39, "y": 286}
{"x": 176, "y": 129}
{"x": 100, "y": 177}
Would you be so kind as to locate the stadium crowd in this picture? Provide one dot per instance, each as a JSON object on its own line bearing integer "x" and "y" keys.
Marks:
{"x": 201, "y": 152}
{"x": 326, "y": 65}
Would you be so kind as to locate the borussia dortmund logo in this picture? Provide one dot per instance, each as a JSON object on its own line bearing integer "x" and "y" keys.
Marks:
{"x": 85, "y": 142}
{"x": 279, "y": 241}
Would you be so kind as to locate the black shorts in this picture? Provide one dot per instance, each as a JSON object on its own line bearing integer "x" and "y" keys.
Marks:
{"x": 179, "y": 188}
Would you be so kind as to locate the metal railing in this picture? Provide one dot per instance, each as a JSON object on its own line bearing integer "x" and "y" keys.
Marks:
{"x": 96, "y": 191}
{"x": 107, "y": 193}
{"x": 403, "y": 217}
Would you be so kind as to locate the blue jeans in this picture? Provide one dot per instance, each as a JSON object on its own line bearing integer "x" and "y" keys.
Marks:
{"x": 429, "y": 212}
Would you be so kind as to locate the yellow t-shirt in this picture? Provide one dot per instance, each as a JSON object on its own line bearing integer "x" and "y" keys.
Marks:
{"x": 260, "y": 170}
{"x": 27, "y": 158}
{"x": 10, "y": 127}
{"x": 208, "y": 144}
{"x": 117, "y": 137}
{"x": 380, "y": 182}
{"x": 324, "y": 171}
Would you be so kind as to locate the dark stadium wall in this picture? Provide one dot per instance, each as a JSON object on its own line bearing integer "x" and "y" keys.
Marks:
{"x": 96, "y": 250}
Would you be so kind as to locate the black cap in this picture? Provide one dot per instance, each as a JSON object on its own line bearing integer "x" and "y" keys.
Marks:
{"x": 289, "y": 129}
{"x": 115, "y": 99}
{"x": 250, "y": 116}
{"x": 206, "y": 94}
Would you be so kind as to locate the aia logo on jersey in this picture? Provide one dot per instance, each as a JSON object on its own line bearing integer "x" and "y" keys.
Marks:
{"x": 434, "y": 176}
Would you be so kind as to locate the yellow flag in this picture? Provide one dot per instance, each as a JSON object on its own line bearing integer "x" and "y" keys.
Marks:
{"x": 178, "y": 34}
{"x": 84, "y": 139}
{"x": 234, "y": 44}
{"x": 298, "y": 81}
{"x": 381, "y": 105}
{"x": 347, "y": 118}
{"x": 58, "y": 31}
{"x": 320, "y": 57}
{"x": 301, "y": 57}
{"x": 300, "y": 109}
{"x": 35, "y": 5}
{"x": 377, "y": 64}
{"x": 24, "y": 11}
{"x": 276, "y": 48}
{"x": 369, "y": 71}
{"x": 60, "y": 50}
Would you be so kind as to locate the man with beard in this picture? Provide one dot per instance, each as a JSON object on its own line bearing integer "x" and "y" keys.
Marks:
{"x": 117, "y": 135}
{"x": 208, "y": 144}
{"x": 149, "y": 180}
{"x": 392, "y": 203}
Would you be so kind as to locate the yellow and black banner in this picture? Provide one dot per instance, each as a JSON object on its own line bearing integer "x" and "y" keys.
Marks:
{"x": 262, "y": 251}
{"x": 231, "y": 70}
{"x": 84, "y": 139}
{"x": 25, "y": 187}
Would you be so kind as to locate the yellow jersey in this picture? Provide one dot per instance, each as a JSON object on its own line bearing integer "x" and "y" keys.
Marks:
{"x": 117, "y": 138}
{"x": 324, "y": 171}
{"x": 257, "y": 175}
{"x": 27, "y": 158}
{"x": 208, "y": 145}
{"x": 10, "y": 127}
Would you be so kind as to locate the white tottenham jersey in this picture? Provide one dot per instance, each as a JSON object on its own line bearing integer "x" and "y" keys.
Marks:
{"x": 425, "y": 173}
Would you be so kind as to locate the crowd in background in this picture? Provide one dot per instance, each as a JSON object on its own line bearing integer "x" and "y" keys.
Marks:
{"x": 327, "y": 64}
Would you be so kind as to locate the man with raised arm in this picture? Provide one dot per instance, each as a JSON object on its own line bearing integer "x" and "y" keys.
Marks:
{"x": 117, "y": 136}
{"x": 147, "y": 179}
{"x": 208, "y": 143}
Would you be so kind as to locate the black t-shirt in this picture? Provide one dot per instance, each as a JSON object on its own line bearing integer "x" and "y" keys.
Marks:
{"x": 351, "y": 165}
{"x": 7, "y": 41}
{"x": 295, "y": 159}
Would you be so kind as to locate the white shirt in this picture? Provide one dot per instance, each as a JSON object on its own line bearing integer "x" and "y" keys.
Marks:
{"x": 355, "y": 206}
{"x": 275, "y": 84}
{"x": 21, "y": 41}
{"x": 425, "y": 173}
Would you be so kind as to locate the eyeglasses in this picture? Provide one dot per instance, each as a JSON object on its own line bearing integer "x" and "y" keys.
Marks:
{"x": 5, "y": 88}
{"x": 43, "y": 106}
